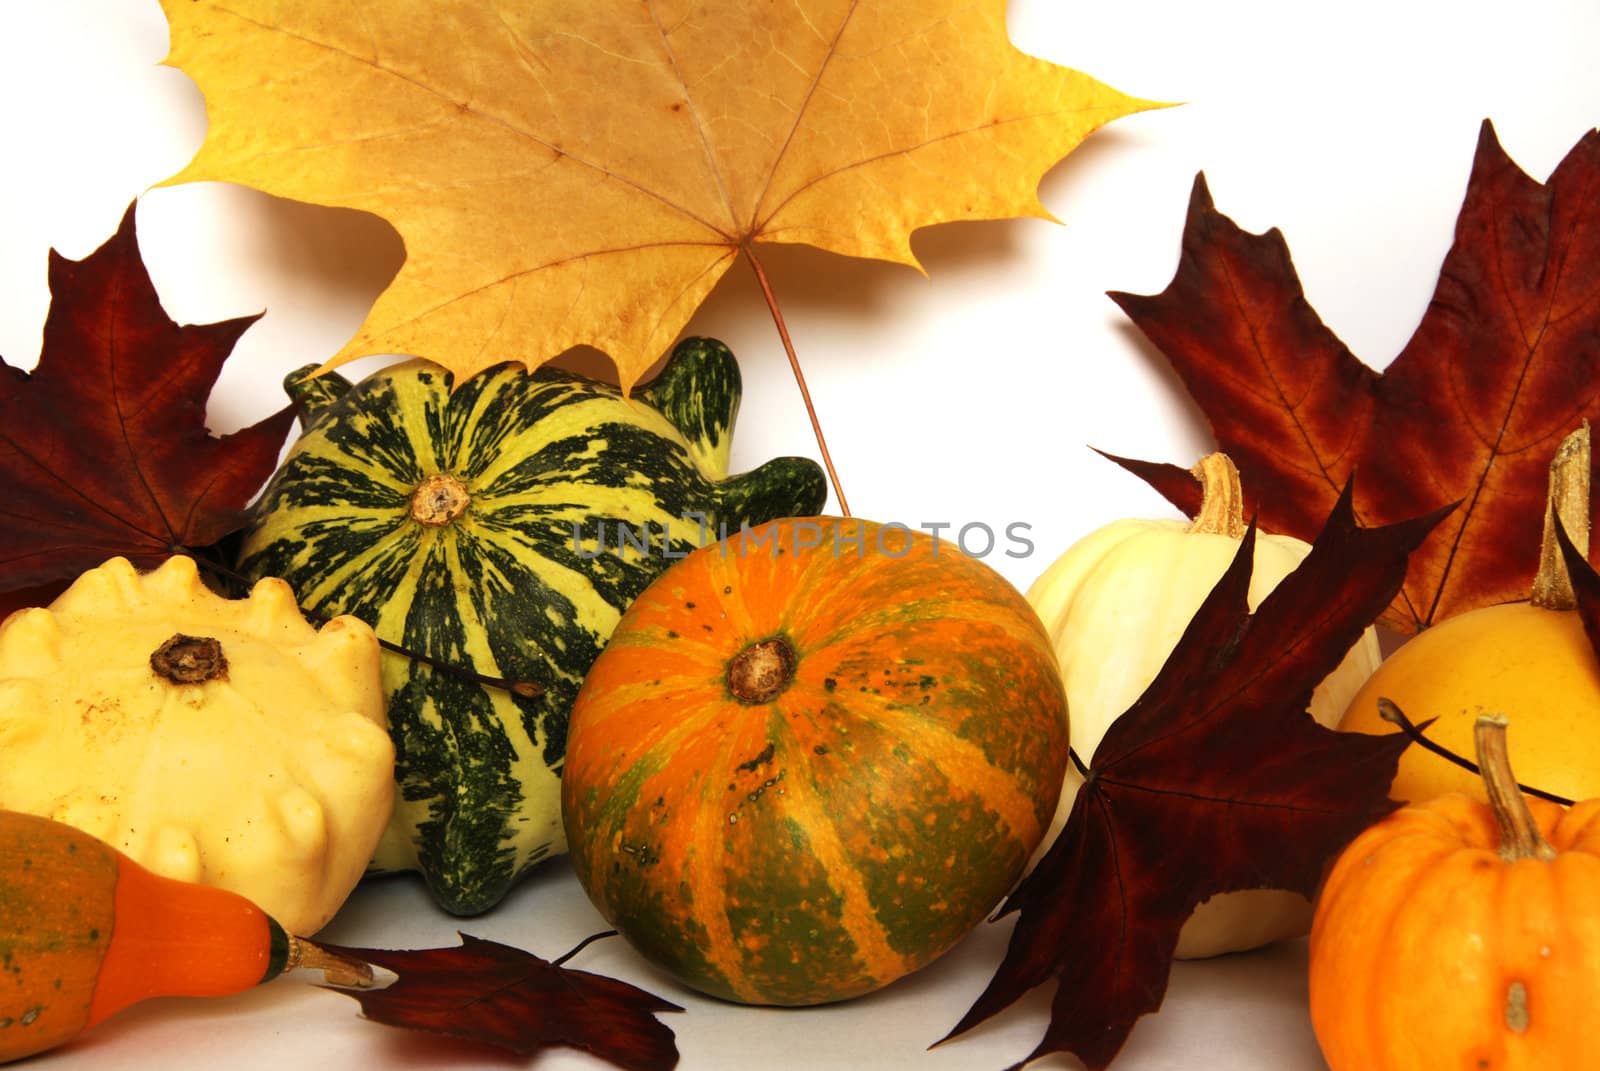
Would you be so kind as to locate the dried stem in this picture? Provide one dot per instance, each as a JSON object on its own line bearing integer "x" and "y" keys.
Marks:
{"x": 1568, "y": 499}
{"x": 1392, "y": 714}
{"x": 799, "y": 376}
{"x": 185, "y": 659}
{"x": 1519, "y": 833}
{"x": 1221, "y": 497}
{"x": 336, "y": 967}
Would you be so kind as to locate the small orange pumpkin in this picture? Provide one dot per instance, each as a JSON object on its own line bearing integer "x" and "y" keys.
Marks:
{"x": 1458, "y": 935}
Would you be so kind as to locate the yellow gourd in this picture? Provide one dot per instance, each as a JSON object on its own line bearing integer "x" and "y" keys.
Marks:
{"x": 1529, "y": 660}
{"x": 1115, "y": 605}
{"x": 224, "y": 742}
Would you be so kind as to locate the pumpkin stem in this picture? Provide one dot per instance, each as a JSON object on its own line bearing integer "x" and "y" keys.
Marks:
{"x": 1519, "y": 833}
{"x": 1567, "y": 499}
{"x": 190, "y": 660}
{"x": 1221, "y": 497}
{"x": 799, "y": 376}
{"x": 760, "y": 672}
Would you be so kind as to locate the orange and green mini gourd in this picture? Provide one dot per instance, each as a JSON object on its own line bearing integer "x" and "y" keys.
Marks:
{"x": 85, "y": 932}
{"x": 812, "y": 758}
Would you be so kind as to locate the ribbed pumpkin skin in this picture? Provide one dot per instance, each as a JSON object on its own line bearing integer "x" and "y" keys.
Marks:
{"x": 820, "y": 845}
{"x": 1421, "y": 932}
{"x": 503, "y": 588}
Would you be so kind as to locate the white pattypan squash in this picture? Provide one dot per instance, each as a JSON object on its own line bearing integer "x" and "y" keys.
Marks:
{"x": 1116, "y": 604}
{"x": 224, "y": 742}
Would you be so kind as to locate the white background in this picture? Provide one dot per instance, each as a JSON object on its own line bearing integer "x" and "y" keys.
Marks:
{"x": 969, "y": 395}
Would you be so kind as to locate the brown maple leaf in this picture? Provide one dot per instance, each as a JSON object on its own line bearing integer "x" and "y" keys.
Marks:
{"x": 1217, "y": 779}
{"x": 487, "y": 992}
{"x": 1504, "y": 363}
{"x": 103, "y": 446}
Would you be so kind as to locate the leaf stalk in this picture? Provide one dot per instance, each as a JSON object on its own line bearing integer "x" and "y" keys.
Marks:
{"x": 581, "y": 945}
{"x": 799, "y": 376}
{"x": 1392, "y": 714}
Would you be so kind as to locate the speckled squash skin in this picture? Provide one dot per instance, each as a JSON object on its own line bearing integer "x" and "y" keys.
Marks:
{"x": 57, "y": 906}
{"x": 813, "y": 832}
{"x": 481, "y": 524}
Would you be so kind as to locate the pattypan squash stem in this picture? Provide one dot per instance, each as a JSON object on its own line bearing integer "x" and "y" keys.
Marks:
{"x": 799, "y": 376}
{"x": 1568, "y": 500}
{"x": 185, "y": 659}
{"x": 1221, "y": 497}
{"x": 1394, "y": 716}
{"x": 1519, "y": 833}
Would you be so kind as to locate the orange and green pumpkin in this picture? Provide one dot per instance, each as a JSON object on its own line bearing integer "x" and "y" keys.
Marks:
{"x": 811, "y": 758}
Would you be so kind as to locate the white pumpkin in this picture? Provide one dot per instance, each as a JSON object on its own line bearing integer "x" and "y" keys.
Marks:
{"x": 1115, "y": 605}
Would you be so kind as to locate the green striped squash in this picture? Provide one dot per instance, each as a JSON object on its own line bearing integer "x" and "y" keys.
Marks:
{"x": 503, "y": 526}
{"x": 812, "y": 758}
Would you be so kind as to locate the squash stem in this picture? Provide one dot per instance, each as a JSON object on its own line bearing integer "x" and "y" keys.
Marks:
{"x": 1389, "y": 712}
{"x": 1568, "y": 500}
{"x": 1221, "y": 497}
{"x": 439, "y": 499}
{"x": 185, "y": 659}
{"x": 336, "y": 967}
{"x": 1519, "y": 833}
{"x": 762, "y": 671}
{"x": 799, "y": 376}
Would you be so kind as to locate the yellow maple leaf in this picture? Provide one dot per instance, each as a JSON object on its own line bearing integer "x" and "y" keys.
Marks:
{"x": 568, "y": 172}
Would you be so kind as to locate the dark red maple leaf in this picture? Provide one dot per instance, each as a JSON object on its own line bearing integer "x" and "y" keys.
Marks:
{"x": 1504, "y": 363}
{"x": 1585, "y": 585}
{"x": 103, "y": 447}
{"x": 488, "y": 992}
{"x": 1216, "y": 779}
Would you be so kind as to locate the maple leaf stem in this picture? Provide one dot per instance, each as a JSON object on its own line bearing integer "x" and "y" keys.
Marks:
{"x": 1392, "y": 714}
{"x": 1077, "y": 761}
{"x": 527, "y": 689}
{"x": 583, "y": 944}
{"x": 799, "y": 376}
